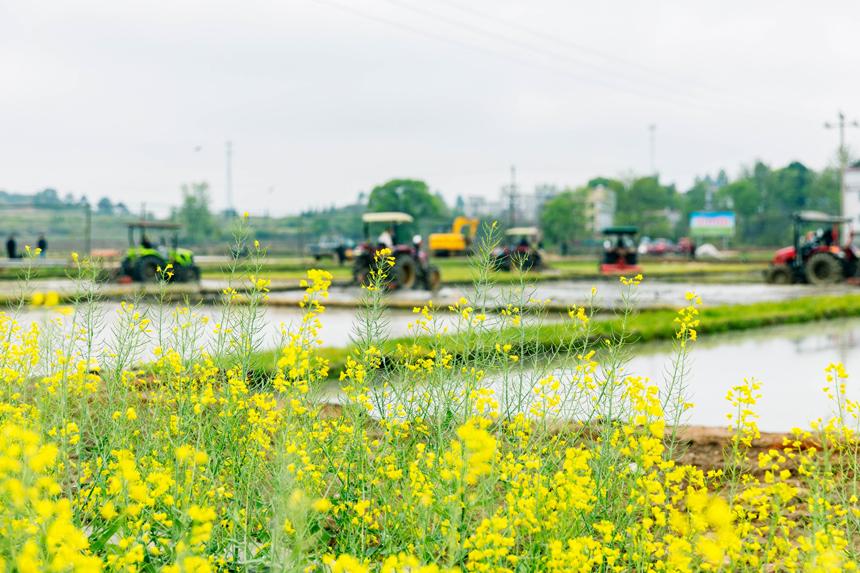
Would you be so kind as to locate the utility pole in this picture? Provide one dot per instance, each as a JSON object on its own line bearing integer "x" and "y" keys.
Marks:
{"x": 843, "y": 155}
{"x": 511, "y": 192}
{"x": 229, "y": 150}
{"x": 652, "y": 133}
{"x": 709, "y": 196}
{"x": 88, "y": 229}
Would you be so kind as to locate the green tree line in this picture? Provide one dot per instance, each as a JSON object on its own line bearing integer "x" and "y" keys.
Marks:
{"x": 762, "y": 198}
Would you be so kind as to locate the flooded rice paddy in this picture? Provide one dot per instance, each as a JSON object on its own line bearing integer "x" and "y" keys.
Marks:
{"x": 788, "y": 360}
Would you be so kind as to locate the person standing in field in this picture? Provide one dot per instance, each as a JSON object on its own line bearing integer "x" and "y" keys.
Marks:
{"x": 11, "y": 247}
{"x": 42, "y": 245}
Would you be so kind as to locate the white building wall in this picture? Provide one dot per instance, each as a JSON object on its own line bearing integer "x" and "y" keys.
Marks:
{"x": 852, "y": 197}
{"x": 599, "y": 208}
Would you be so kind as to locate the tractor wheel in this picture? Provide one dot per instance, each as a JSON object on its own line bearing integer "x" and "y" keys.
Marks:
{"x": 147, "y": 269}
{"x": 189, "y": 274}
{"x": 779, "y": 275}
{"x": 823, "y": 269}
{"x": 359, "y": 275}
{"x": 432, "y": 278}
{"x": 361, "y": 267}
{"x": 404, "y": 272}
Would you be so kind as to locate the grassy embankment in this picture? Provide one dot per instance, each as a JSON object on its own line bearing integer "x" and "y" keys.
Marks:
{"x": 458, "y": 271}
{"x": 643, "y": 327}
{"x": 454, "y": 270}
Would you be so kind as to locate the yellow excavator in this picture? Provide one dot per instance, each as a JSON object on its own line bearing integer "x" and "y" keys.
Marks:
{"x": 458, "y": 241}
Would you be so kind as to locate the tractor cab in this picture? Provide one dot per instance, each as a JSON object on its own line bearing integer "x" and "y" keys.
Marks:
{"x": 522, "y": 248}
{"x": 620, "y": 250}
{"x": 411, "y": 264}
{"x": 387, "y": 229}
{"x": 152, "y": 246}
{"x": 821, "y": 252}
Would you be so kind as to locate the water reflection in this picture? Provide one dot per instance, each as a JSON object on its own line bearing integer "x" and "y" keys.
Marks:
{"x": 788, "y": 360}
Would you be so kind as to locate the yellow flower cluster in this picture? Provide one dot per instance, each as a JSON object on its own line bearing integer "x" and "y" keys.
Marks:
{"x": 631, "y": 281}
{"x": 182, "y": 460}
{"x": 37, "y": 531}
{"x": 687, "y": 320}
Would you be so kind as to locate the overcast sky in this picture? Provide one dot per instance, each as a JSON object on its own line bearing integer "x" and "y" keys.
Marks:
{"x": 324, "y": 98}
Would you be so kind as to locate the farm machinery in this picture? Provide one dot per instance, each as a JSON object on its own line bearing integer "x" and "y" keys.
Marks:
{"x": 620, "y": 251}
{"x": 821, "y": 252}
{"x": 456, "y": 242}
{"x": 521, "y": 251}
{"x": 411, "y": 262}
{"x": 146, "y": 261}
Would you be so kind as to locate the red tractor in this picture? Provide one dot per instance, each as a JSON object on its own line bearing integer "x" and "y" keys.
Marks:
{"x": 816, "y": 256}
{"x": 620, "y": 251}
{"x": 412, "y": 267}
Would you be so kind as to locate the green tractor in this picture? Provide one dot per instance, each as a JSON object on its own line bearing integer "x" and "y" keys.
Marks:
{"x": 145, "y": 256}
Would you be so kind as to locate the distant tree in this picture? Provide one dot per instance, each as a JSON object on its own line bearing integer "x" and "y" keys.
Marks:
{"x": 47, "y": 198}
{"x": 121, "y": 209}
{"x": 562, "y": 218}
{"x": 459, "y": 206}
{"x": 613, "y": 184}
{"x": 104, "y": 206}
{"x": 194, "y": 214}
{"x": 764, "y": 199}
{"x": 647, "y": 203}
{"x": 410, "y": 196}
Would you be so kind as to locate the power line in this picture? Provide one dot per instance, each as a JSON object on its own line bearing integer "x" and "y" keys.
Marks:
{"x": 681, "y": 89}
{"x": 544, "y": 36}
{"x": 541, "y": 51}
{"x": 400, "y": 26}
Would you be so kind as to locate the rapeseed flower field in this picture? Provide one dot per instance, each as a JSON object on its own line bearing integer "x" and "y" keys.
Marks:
{"x": 145, "y": 449}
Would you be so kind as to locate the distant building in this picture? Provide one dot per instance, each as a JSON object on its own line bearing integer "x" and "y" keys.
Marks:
{"x": 479, "y": 207}
{"x": 852, "y": 196}
{"x": 542, "y": 194}
{"x": 600, "y": 203}
{"x": 527, "y": 206}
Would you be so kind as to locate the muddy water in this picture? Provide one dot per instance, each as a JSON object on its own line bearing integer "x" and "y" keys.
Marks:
{"x": 337, "y": 323}
{"x": 649, "y": 293}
